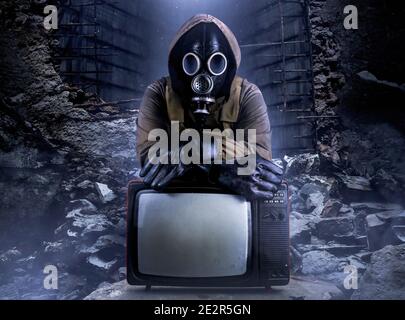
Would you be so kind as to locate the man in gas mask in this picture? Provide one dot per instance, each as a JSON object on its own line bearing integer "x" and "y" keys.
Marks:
{"x": 203, "y": 92}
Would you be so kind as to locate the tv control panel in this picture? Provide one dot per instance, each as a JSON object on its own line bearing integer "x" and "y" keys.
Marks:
{"x": 274, "y": 247}
{"x": 276, "y": 208}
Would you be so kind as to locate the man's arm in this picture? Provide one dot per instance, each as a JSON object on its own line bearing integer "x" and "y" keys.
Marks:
{"x": 152, "y": 115}
{"x": 267, "y": 176}
{"x": 253, "y": 115}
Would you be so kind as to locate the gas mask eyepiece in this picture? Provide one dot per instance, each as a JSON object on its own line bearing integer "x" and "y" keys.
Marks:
{"x": 217, "y": 63}
{"x": 191, "y": 64}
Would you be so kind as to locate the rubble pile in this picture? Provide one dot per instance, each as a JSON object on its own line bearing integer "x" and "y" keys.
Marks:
{"x": 360, "y": 129}
{"x": 65, "y": 159}
{"x": 336, "y": 222}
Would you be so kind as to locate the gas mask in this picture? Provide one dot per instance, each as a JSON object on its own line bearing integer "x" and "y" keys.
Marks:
{"x": 202, "y": 67}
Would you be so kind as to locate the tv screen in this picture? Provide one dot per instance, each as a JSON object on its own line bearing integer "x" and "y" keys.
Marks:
{"x": 192, "y": 234}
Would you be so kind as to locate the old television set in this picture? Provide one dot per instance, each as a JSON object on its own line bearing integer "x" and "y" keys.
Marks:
{"x": 206, "y": 237}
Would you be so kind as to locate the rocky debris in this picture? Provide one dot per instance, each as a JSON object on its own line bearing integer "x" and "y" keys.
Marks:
{"x": 295, "y": 260}
{"x": 355, "y": 188}
{"x": 375, "y": 206}
{"x": 78, "y": 224}
{"x": 338, "y": 250}
{"x": 333, "y": 224}
{"x": 318, "y": 262}
{"x": 60, "y": 149}
{"x": 333, "y": 228}
{"x": 100, "y": 263}
{"x": 300, "y": 230}
{"x": 385, "y": 228}
{"x": 314, "y": 203}
{"x": 332, "y": 208}
{"x": 105, "y": 193}
{"x": 387, "y": 186}
{"x": 305, "y": 163}
{"x": 384, "y": 277}
{"x": 354, "y": 183}
{"x": 365, "y": 139}
{"x": 310, "y": 198}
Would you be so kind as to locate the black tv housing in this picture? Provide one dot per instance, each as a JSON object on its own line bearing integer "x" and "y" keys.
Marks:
{"x": 268, "y": 258}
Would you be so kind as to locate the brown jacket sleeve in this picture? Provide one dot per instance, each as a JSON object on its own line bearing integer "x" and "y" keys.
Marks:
{"x": 152, "y": 115}
{"x": 253, "y": 115}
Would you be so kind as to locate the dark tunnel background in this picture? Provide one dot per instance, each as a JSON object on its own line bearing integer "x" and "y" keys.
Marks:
{"x": 132, "y": 39}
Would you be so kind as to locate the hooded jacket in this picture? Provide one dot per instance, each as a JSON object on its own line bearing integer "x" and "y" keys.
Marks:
{"x": 245, "y": 107}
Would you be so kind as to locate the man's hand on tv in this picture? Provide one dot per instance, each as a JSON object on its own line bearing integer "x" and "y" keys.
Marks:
{"x": 158, "y": 175}
{"x": 262, "y": 184}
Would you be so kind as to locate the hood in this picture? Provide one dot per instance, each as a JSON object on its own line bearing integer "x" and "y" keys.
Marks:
{"x": 206, "y": 18}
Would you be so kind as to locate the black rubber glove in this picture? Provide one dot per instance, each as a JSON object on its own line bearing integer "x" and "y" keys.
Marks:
{"x": 262, "y": 184}
{"x": 159, "y": 175}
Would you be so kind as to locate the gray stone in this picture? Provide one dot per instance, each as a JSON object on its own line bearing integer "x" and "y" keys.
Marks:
{"x": 300, "y": 231}
{"x": 393, "y": 216}
{"x": 332, "y": 228}
{"x": 295, "y": 259}
{"x": 355, "y": 182}
{"x": 337, "y": 250}
{"x": 385, "y": 228}
{"x": 332, "y": 208}
{"x": 318, "y": 262}
{"x": 84, "y": 224}
{"x": 399, "y": 232}
{"x": 83, "y": 206}
{"x": 311, "y": 188}
{"x": 53, "y": 247}
{"x": 303, "y": 163}
{"x": 373, "y": 207}
{"x": 343, "y": 250}
{"x": 384, "y": 277}
{"x": 315, "y": 203}
{"x": 122, "y": 272}
{"x": 105, "y": 193}
{"x": 84, "y": 219}
{"x": 346, "y": 210}
{"x": 100, "y": 263}
{"x": 388, "y": 186}
{"x": 86, "y": 184}
{"x": 104, "y": 242}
